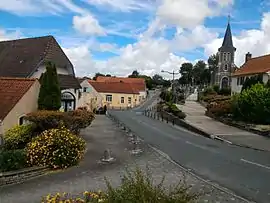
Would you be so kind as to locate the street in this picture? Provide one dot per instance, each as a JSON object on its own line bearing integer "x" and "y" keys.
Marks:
{"x": 243, "y": 171}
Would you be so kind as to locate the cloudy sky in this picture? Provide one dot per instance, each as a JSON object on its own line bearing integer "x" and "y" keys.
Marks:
{"x": 119, "y": 36}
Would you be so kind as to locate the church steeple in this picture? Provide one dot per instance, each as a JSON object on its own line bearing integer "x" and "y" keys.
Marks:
{"x": 227, "y": 40}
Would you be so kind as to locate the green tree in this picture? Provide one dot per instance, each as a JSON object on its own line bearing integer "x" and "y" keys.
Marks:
{"x": 50, "y": 93}
{"x": 157, "y": 79}
{"x": 199, "y": 73}
{"x": 213, "y": 66}
{"x": 249, "y": 82}
{"x": 134, "y": 74}
{"x": 186, "y": 73}
{"x": 96, "y": 75}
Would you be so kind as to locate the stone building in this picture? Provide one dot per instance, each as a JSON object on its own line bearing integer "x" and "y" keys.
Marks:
{"x": 226, "y": 65}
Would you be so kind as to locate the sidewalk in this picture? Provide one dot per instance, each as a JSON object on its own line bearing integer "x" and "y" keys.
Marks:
{"x": 196, "y": 118}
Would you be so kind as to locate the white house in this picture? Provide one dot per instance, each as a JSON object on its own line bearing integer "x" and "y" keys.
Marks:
{"x": 252, "y": 67}
{"x": 26, "y": 58}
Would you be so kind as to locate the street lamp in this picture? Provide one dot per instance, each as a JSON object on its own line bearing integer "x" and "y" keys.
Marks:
{"x": 173, "y": 73}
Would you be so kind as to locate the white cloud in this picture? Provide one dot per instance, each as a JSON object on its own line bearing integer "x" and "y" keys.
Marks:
{"x": 4, "y": 35}
{"x": 255, "y": 41}
{"x": 124, "y": 5}
{"x": 87, "y": 25}
{"x": 148, "y": 56}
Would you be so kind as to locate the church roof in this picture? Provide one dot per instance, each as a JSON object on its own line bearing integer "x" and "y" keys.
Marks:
{"x": 227, "y": 40}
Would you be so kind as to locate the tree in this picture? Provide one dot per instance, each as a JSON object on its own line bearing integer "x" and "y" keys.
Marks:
{"x": 50, "y": 93}
{"x": 134, "y": 74}
{"x": 186, "y": 73}
{"x": 199, "y": 73}
{"x": 249, "y": 82}
{"x": 96, "y": 75}
{"x": 213, "y": 66}
{"x": 157, "y": 79}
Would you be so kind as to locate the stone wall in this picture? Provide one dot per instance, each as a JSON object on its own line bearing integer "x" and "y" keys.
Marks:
{"x": 21, "y": 175}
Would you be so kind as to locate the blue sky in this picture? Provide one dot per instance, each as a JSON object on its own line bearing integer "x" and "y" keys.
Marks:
{"x": 119, "y": 36}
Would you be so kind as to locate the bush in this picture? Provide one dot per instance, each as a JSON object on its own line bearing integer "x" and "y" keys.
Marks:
{"x": 56, "y": 148}
{"x": 222, "y": 108}
{"x": 225, "y": 91}
{"x": 249, "y": 82}
{"x": 18, "y": 136}
{"x": 216, "y": 88}
{"x": 137, "y": 187}
{"x": 73, "y": 120}
{"x": 254, "y": 104}
{"x": 12, "y": 160}
{"x": 209, "y": 91}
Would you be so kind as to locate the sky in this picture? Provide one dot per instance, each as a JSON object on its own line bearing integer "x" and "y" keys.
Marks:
{"x": 119, "y": 36}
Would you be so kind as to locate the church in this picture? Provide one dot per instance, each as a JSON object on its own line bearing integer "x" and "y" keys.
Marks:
{"x": 226, "y": 67}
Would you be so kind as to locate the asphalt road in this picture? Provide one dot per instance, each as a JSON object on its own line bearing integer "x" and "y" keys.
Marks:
{"x": 244, "y": 171}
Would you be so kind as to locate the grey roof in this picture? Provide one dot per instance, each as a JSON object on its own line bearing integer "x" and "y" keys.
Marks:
{"x": 68, "y": 82}
{"x": 227, "y": 41}
{"x": 21, "y": 57}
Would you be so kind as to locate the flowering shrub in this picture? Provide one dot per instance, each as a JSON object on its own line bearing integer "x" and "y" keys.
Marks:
{"x": 221, "y": 108}
{"x": 86, "y": 197}
{"x": 18, "y": 136}
{"x": 136, "y": 187}
{"x": 73, "y": 120}
{"x": 57, "y": 148}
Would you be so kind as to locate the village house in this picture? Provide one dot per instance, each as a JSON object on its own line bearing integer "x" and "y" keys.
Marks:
{"x": 252, "y": 67}
{"x": 26, "y": 58}
{"x": 18, "y": 97}
{"x": 117, "y": 95}
{"x": 137, "y": 83}
{"x": 89, "y": 97}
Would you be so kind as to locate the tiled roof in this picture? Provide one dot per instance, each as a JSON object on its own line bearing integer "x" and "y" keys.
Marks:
{"x": 11, "y": 91}
{"x": 114, "y": 87}
{"x": 256, "y": 65}
{"x": 68, "y": 81}
{"x": 21, "y": 57}
{"x": 119, "y": 79}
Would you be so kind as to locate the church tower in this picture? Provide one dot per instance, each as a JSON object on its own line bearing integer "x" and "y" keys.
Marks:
{"x": 226, "y": 55}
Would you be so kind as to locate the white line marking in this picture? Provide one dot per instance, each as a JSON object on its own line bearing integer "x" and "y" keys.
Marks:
{"x": 201, "y": 147}
{"x": 256, "y": 164}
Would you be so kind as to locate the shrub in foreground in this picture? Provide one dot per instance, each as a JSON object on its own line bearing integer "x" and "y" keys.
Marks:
{"x": 56, "y": 148}
{"x": 18, "y": 136}
{"x": 254, "y": 104}
{"x": 221, "y": 108}
{"x": 136, "y": 187}
{"x": 12, "y": 160}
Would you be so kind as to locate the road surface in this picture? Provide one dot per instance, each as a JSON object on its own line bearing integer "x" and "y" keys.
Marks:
{"x": 244, "y": 171}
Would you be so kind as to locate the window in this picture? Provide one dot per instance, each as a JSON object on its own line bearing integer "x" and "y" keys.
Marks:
{"x": 122, "y": 100}
{"x": 224, "y": 56}
{"x": 242, "y": 80}
{"x": 108, "y": 98}
{"x": 238, "y": 81}
{"x": 85, "y": 89}
{"x": 229, "y": 57}
{"x": 226, "y": 67}
{"x": 21, "y": 120}
{"x": 129, "y": 100}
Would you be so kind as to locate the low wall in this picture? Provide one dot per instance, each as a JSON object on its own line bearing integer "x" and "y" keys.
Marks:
{"x": 18, "y": 176}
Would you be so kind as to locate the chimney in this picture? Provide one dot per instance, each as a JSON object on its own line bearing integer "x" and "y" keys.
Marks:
{"x": 248, "y": 56}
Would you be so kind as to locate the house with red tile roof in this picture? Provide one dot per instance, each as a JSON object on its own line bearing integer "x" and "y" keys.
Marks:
{"x": 137, "y": 83}
{"x": 252, "y": 67}
{"x": 26, "y": 58}
{"x": 117, "y": 94}
{"x": 18, "y": 97}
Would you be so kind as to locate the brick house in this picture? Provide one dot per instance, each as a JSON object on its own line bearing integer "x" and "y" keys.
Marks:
{"x": 25, "y": 58}
{"x": 18, "y": 98}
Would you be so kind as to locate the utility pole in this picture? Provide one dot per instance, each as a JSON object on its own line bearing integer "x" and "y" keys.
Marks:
{"x": 173, "y": 73}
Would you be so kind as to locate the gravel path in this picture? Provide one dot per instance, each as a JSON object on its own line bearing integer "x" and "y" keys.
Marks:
{"x": 89, "y": 175}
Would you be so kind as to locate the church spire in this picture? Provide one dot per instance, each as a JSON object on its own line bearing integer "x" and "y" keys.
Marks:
{"x": 227, "y": 41}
